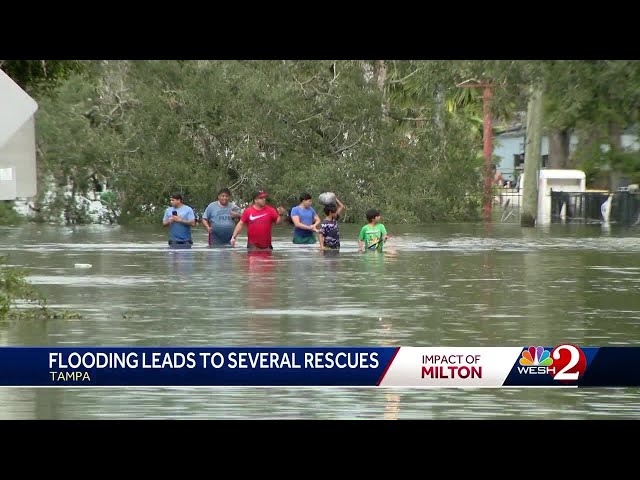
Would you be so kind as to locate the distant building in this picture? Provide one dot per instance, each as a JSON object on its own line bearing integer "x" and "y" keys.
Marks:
{"x": 509, "y": 146}
{"x": 17, "y": 141}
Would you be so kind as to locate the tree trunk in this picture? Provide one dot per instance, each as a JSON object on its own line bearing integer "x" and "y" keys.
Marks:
{"x": 439, "y": 115}
{"x": 587, "y": 138}
{"x": 380, "y": 75}
{"x": 559, "y": 149}
{"x": 571, "y": 157}
{"x": 615, "y": 142}
{"x": 532, "y": 160}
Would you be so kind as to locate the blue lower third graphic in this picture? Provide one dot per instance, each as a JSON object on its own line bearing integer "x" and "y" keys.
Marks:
{"x": 564, "y": 365}
{"x": 181, "y": 366}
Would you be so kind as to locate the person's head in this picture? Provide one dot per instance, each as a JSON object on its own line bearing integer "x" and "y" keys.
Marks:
{"x": 176, "y": 200}
{"x": 330, "y": 211}
{"x": 373, "y": 215}
{"x": 223, "y": 196}
{"x": 260, "y": 198}
{"x": 305, "y": 200}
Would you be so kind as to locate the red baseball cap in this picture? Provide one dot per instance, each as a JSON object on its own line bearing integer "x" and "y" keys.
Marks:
{"x": 260, "y": 194}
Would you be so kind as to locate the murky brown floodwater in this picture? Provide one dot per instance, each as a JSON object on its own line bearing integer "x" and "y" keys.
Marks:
{"x": 454, "y": 285}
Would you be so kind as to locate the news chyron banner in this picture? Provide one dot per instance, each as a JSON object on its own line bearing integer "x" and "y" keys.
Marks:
{"x": 564, "y": 366}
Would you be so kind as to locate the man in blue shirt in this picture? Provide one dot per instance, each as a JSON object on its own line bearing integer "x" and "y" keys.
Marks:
{"x": 306, "y": 221}
{"x": 219, "y": 219}
{"x": 179, "y": 218}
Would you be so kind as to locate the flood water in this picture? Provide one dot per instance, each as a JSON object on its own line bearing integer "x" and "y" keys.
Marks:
{"x": 443, "y": 285}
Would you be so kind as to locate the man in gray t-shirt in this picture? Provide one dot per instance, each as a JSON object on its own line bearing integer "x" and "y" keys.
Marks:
{"x": 219, "y": 218}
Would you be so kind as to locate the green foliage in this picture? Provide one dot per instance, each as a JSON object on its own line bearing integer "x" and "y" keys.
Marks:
{"x": 598, "y": 162}
{"x": 410, "y": 145}
{"x": 597, "y": 99}
{"x": 583, "y": 93}
{"x": 39, "y": 77}
{"x": 8, "y": 215}
{"x": 20, "y": 300}
{"x": 156, "y": 127}
{"x": 628, "y": 163}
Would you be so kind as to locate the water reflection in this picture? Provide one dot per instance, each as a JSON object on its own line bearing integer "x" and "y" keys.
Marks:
{"x": 260, "y": 279}
{"x": 181, "y": 262}
{"x": 304, "y": 281}
{"x": 387, "y": 338}
{"x": 328, "y": 266}
{"x": 373, "y": 263}
{"x": 221, "y": 263}
{"x": 391, "y": 406}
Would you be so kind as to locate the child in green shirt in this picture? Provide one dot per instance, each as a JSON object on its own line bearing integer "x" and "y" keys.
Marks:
{"x": 373, "y": 234}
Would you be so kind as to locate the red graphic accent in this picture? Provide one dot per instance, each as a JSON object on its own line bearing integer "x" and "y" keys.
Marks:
{"x": 569, "y": 363}
{"x": 388, "y": 365}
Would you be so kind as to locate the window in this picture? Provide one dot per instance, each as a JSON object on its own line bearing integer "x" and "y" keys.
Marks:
{"x": 518, "y": 161}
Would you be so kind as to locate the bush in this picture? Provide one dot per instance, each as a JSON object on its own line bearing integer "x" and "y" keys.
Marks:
{"x": 20, "y": 300}
{"x": 8, "y": 216}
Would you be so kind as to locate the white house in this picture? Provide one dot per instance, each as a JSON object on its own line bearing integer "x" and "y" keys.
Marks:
{"x": 17, "y": 141}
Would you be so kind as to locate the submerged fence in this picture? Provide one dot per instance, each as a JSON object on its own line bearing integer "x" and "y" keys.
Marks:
{"x": 623, "y": 207}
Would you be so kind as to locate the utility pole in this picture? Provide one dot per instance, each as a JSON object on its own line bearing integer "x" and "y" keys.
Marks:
{"x": 487, "y": 137}
{"x": 533, "y": 147}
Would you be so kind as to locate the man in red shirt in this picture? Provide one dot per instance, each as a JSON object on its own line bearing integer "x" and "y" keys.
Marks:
{"x": 259, "y": 219}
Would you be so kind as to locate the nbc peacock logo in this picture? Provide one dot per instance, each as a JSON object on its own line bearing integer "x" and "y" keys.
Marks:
{"x": 536, "y": 361}
{"x": 536, "y": 356}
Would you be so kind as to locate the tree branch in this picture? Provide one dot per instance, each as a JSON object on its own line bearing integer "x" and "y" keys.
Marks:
{"x": 302, "y": 84}
{"x": 326, "y": 93}
{"x": 335, "y": 72}
{"x": 337, "y": 135}
{"x": 404, "y": 78}
{"x": 340, "y": 150}
{"x": 408, "y": 119}
{"x": 309, "y": 118}
{"x": 306, "y": 81}
{"x": 239, "y": 182}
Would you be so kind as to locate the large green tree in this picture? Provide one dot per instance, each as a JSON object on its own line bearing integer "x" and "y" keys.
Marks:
{"x": 595, "y": 100}
{"x": 38, "y": 77}
{"x": 396, "y": 135}
{"x": 153, "y": 127}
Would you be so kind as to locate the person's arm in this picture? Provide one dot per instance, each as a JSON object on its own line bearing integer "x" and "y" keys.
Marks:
{"x": 236, "y": 211}
{"x": 321, "y": 233}
{"x": 361, "y": 240}
{"x": 189, "y": 219}
{"x": 298, "y": 224}
{"x": 167, "y": 220}
{"x": 205, "y": 221}
{"x": 236, "y": 232}
{"x": 340, "y": 208}
{"x": 281, "y": 214}
{"x": 385, "y": 235}
{"x": 316, "y": 221}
